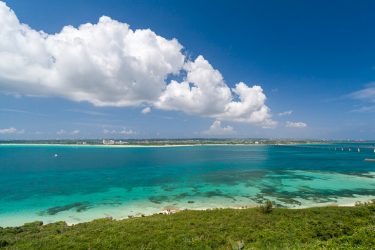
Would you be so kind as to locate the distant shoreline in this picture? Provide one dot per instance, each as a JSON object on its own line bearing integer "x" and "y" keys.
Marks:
{"x": 155, "y": 145}
{"x": 94, "y": 145}
{"x": 166, "y": 145}
{"x": 113, "y": 143}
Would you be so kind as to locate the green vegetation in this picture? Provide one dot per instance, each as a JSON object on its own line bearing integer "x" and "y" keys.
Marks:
{"x": 266, "y": 208}
{"x": 312, "y": 228}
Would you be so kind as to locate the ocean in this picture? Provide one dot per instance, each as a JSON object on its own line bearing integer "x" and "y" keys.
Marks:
{"x": 80, "y": 183}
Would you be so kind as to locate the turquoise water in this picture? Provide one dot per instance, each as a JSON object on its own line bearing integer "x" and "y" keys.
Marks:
{"x": 87, "y": 182}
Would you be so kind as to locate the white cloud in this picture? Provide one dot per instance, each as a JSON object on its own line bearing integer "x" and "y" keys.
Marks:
{"x": 75, "y": 132}
{"x": 288, "y": 112}
{"x": 364, "y": 109}
{"x": 11, "y": 130}
{"x": 205, "y": 93}
{"x": 250, "y": 108}
{"x": 109, "y": 64}
{"x": 107, "y": 131}
{"x": 127, "y": 132}
{"x": 87, "y": 112}
{"x": 61, "y": 132}
{"x": 123, "y": 131}
{"x": 218, "y": 130}
{"x": 366, "y": 94}
{"x": 146, "y": 110}
{"x": 290, "y": 124}
{"x": 20, "y": 111}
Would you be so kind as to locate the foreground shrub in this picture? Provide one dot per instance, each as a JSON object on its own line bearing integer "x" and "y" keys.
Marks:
{"x": 266, "y": 208}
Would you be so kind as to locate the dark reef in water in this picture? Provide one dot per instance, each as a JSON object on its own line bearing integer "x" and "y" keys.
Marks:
{"x": 168, "y": 188}
{"x": 218, "y": 193}
{"x": 158, "y": 199}
{"x": 78, "y": 206}
{"x": 233, "y": 177}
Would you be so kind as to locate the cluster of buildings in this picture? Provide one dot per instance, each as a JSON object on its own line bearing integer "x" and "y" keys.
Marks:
{"x": 113, "y": 142}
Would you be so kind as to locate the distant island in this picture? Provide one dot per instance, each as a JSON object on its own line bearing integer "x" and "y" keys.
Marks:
{"x": 166, "y": 142}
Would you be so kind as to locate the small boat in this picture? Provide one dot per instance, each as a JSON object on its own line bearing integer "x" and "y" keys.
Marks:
{"x": 350, "y": 149}
{"x": 55, "y": 155}
{"x": 368, "y": 159}
{"x": 342, "y": 149}
{"x": 359, "y": 150}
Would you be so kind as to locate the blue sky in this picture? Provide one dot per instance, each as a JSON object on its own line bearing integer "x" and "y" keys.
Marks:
{"x": 315, "y": 63}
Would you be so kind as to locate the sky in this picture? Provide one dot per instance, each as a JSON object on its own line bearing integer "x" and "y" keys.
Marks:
{"x": 187, "y": 69}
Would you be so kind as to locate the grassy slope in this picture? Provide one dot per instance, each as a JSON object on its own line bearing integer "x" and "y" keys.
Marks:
{"x": 314, "y": 228}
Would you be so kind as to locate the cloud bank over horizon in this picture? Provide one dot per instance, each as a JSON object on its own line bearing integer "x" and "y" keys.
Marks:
{"x": 11, "y": 130}
{"x": 109, "y": 64}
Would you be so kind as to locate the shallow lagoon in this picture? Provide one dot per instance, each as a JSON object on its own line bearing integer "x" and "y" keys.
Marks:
{"x": 87, "y": 182}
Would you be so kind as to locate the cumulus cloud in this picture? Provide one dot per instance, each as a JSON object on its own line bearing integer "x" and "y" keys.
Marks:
{"x": 250, "y": 108}
{"x": 218, "y": 130}
{"x": 110, "y": 64}
{"x": 288, "y": 112}
{"x": 290, "y": 124}
{"x": 146, "y": 110}
{"x": 204, "y": 92}
{"x": 11, "y": 130}
{"x": 107, "y": 64}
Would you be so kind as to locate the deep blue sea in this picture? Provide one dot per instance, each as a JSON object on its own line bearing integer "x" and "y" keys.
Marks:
{"x": 81, "y": 183}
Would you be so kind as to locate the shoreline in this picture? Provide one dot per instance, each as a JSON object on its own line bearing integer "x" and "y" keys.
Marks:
{"x": 150, "y": 145}
{"x": 70, "y": 218}
{"x": 316, "y": 228}
{"x": 169, "y": 210}
{"x": 214, "y": 192}
{"x": 133, "y": 145}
